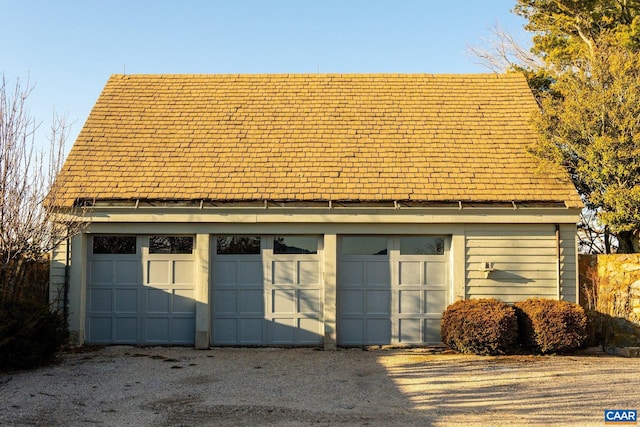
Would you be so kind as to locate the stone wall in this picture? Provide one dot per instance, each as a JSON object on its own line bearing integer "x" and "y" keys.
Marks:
{"x": 610, "y": 288}
{"x": 617, "y": 290}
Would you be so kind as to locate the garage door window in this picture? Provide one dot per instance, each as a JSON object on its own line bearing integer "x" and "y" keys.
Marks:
{"x": 364, "y": 245}
{"x": 238, "y": 245}
{"x": 170, "y": 245}
{"x": 422, "y": 245}
{"x": 295, "y": 245}
{"x": 116, "y": 245}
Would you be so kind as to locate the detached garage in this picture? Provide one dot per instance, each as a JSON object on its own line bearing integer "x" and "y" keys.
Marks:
{"x": 306, "y": 209}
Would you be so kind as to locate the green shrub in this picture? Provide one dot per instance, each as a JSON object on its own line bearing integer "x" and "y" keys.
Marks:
{"x": 551, "y": 326}
{"x": 480, "y": 326}
{"x": 30, "y": 334}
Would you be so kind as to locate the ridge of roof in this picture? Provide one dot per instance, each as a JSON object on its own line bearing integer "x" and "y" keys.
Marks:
{"x": 389, "y": 74}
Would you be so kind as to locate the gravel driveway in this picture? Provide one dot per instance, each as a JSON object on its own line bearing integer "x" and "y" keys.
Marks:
{"x": 157, "y": 386}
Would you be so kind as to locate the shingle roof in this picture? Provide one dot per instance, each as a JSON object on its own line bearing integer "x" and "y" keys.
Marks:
{"x": 358, "y": 137}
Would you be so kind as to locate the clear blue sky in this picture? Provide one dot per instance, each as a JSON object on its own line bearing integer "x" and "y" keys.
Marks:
{"x": 68, "y": 48}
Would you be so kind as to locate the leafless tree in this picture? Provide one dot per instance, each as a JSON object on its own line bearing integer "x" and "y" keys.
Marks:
{"x": 501, "y": 52}
{"x": 27, "y": 196}
{"x": 593, "y": 237}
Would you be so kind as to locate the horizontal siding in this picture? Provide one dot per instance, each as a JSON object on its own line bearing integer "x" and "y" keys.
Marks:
{"x": 523, "y": 257}
{"x": 57, "y": 275}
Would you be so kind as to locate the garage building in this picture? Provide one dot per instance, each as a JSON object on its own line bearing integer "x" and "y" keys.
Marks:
{"x": 323, "y": 209}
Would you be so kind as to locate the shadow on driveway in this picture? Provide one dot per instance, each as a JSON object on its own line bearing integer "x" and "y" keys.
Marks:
{"x": 157, "y": 386}
{"x": 516, "y": 390}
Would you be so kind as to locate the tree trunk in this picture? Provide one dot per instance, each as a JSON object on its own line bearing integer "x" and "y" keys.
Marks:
{"x": 628, "y": 242}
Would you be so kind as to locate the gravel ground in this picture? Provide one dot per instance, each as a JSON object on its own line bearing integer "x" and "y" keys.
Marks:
{"x": 157, "y": 386}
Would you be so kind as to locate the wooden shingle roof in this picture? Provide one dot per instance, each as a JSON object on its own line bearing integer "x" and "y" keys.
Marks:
{"x": 312, "y": 137}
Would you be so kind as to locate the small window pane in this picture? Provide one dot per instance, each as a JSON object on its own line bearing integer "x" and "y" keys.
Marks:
{"x": 171, "y": 245}
{"x": 364, "y": 245}
{"x": 295, "y": 245}
{"x": 120, "y": 245}
{"x": 422, "y": 245}
{"x": 238, "y": 245}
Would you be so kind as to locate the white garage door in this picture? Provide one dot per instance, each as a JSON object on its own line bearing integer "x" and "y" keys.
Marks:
{"x": 267, "y": 290}
{"x": 141, "y": 290}
{"x": 392, "y": 290}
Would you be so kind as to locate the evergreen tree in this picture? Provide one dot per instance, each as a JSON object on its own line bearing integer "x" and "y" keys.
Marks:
{"x": 589, "y": 92}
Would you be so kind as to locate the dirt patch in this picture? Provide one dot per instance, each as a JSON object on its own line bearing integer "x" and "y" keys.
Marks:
{"x": 246, "y": 387}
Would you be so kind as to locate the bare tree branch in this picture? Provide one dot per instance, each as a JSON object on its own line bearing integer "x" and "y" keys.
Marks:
{"x": 28, "y": 198}
{"x": 593, "y": 236}
{"x": 501, "y": 52}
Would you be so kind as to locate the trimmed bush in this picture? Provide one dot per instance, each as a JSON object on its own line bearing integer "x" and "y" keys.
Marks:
{"x": 480, "y": 326}
{"x": 30, "y": 334}
{"x": 551, "y": 326}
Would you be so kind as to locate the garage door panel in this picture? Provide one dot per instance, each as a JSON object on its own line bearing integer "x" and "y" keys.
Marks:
{"x": 410, "y": 330}
{"x": 351, "y": 302}
{"x": 101, "y": 272}
{"x": 432, "y": 330}
{"x": 351, "y": 331}
{"x": 309, "y": 300}
{"x": 282, "y": 330}
{"x": 183, "y": 301}
{"x": 378, "y": 273}
{"x": 378, "y": 331}
{"x": 237, "y": 273}
{"x": 436, "y": 273}
{"x": 250, "y": 331}
{"x": 309, "y": 330}
{"x": 225, "y": 331}
{"x": 158, "y": 272}
{"x": 100, "y": 329}
{"x": 101, "y": 301}
{"x": 182, "y": 330}
{"x": 409, "y": 302}
{"x": 361, "y": 273}
{"x": 169, "y": 330}
{"x": 183, "y": 272}
{"x": 250, "y": 273}
{"x": 409, "y": 273}
{"x": 378, "y": 302}
{"x": 364, "y": 331}
{"x": 436, "y": 301}
{"x": 224, "y": 301}
{"x": 247, "y": 331}
{"x": 157, "y": 330}
{"x": 127, "y": 272}
{"x": 308, "y": 272}
{"x": 158, "y": 301}
{"x": 126, "y": 329}
{"x": 251, "y": 301}
{"x": 224, "y": 273}
{"x": 288, "y": 330}
{"x": 126, "y": 300}
{"x": 282, "y": 273}
{"x": 283, "y": 301}
{"x": 352, "y": 273}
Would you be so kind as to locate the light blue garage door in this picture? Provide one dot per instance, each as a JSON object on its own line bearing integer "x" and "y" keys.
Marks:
{"x": 392, "y": 290}
{"x": 267, "y": 290}
{"x": 141, "y": 290}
